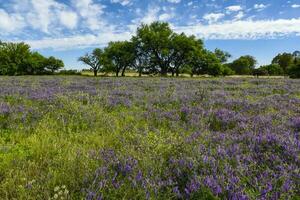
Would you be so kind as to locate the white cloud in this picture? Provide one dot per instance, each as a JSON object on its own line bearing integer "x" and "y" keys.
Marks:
{"x": 151, "y": 15}
{"x": 234, "y": 8}
{"x": 79, "y": 41}
{"x": 213, "y": 17}
{"x": 174, "y": 1}
{"x": 91, "y": 12}
{"x": 122, "y": 2}
{"x": 10, "y": 22}
{"x": 40, "y": 15}
{"x": 244, "y": 29}
{"x": 239, "y": 16}
{"x": 260, "y": 6}
{"x": 165, "y": 16}
{"x": 68, "y": 19}
{"x": 295, "y": 6}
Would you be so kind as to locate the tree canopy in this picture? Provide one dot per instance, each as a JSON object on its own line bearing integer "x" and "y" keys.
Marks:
{"x": 18, "y": 59}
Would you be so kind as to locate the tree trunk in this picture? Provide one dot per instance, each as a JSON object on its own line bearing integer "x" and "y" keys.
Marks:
{"x": 95, "y": 72}
{"x": 123, "y": 71}
{"x": 177, "y": 72}
{"x": 140, "y": 73}
{"x": 117, "y": 73}
{"x": 173, "y": 73}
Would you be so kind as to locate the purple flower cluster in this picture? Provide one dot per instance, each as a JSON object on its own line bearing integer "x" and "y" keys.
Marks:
{"x": 176, "y": 138}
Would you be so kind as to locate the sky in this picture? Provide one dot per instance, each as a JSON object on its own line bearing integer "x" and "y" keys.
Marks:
{"x": 68, "y": 29}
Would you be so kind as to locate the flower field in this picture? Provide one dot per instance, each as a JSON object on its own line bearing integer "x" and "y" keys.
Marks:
{"x": 152, "y": 138}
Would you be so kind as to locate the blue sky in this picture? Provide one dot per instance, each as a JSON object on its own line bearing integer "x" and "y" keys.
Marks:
{"x": 68, "y": 29}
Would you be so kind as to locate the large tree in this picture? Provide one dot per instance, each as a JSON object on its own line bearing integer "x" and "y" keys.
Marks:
{"x": 182, "y": 47}
{"x": 156, "y": 41}
{"x": 94, "y": 60}
{"x": 119, "y": 56}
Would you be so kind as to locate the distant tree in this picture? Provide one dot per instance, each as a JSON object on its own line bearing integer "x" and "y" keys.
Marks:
{"x": 294, "y": 70}
{"x": 119, "y": 56}
{"x": 204, "y": 62}
{"x": 272, "y": 69}
{"x": 94, "y": 60}
{"x": 227, "y": 71}
{"x": 284, "y": 61}
{"x": 243, "y": 65}
{"x": 296, "y": 56}
{"x": 15, "y": 58}
{"x": 53, "y": 64}
{"x": 18, "y": 59}
{"x": 223, "y": 56}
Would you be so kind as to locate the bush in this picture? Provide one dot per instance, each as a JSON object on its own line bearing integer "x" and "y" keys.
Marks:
{"x": 294, "y": 71}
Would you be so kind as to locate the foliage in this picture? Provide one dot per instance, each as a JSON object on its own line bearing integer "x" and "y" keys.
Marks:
{"x": 294, "y": 70}
{"x": 223, "y": 56}
{"x": 157, "y": 49}
{"x": 94, "y": 60}
{"x": 119, "y": 56}
{"x": 243, "y": 65}
{"x": 271, "y": 70}
{"x": 18, "y": 59}
{"x": 156, "y": 138}
{"x": 284, "y": 60}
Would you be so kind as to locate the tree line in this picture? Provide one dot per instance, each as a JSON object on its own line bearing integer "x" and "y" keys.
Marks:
{"x": 156, "y": 49}
{"x": 18, "y": 59}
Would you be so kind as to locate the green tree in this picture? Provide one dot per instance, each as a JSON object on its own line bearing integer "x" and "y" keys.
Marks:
{"x": 182, "y": 47}
{"x": 15, "y": 58}
{"x": 141, "y": 56}
{"x": 202, "y": 61}
{"x": 94, "y": 60}
{"x": 243, "y": 65}
{"x": 272, "y": 69}
{"x": 294, "y": 70}
{"x": 53, "y": 64}
{"x": 119, "y": 56}
{"x": 223, "y": 56}
{"x": 284, "y": 60}
{"x": 156, "y": 41}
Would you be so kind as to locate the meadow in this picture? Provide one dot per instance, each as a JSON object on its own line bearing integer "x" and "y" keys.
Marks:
{"x": 75, "y": 137}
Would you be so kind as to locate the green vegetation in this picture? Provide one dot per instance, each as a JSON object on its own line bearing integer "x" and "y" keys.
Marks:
{"x": 75, "y": 137}
{"x": 155, "y": 50}
{"x": 17, "y": 59}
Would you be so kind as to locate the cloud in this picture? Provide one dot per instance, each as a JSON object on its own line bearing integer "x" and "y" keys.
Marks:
{"x": 10, "y": 22}
{"x": 165, "y": 16}
{"x": 244, "y": 29}
{"x": 90, "y": 12}
{"x": 213, "y": 17}
{"x": 241, "y": 29}
{"x": 122, "y": 2}
{"x": 260, "y": 7}
{"x": 79, "y": 41}
{"x": 295, "y": 6}
{"x": 234, "y": 8}
{"x": 40, "y": 16}
{"x": 150, "y": 16}
{"x": 68, "y": 19}
{"x": 174, "y": 1}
